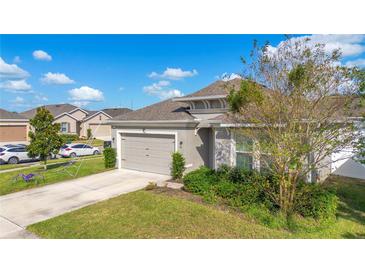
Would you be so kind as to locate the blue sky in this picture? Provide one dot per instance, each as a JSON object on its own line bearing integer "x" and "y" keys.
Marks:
{"x": 100, "y": 71}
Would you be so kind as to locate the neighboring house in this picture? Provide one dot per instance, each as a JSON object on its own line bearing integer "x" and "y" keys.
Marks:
{"x": 13, "y": 127}
{"x": 196, "y": 125}
{"x": 75, "y": 120}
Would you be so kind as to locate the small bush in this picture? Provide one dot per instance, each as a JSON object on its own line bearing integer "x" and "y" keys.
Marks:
{"x": 200, "y": 180}
{"x": 109, "y": 157}
{"x": 89, "y": 133}
{"x": 178, "y": 166}
{"x": 313, "y": 200}
{"x": 68, "y": 138}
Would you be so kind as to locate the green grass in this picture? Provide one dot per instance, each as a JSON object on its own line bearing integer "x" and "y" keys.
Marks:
{"x": 145, "y": 214}
{"x": 49, "y": 162}
{"x": 53, "y": 174}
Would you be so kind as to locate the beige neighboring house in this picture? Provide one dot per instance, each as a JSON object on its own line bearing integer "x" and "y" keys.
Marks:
{"x": 13, "y": 128}
{"x": 75, "y": 120}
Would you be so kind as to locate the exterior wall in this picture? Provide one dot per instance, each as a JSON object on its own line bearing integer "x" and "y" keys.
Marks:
{"x": 194, "y": 147}
{"x": 78, "y": 114}
{"x": 71, "y": 121}
{"x": 95, "y": 121}
{"x": 225, "y": 149}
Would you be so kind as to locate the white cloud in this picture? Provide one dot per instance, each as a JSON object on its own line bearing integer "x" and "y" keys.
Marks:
{"x": 80, "y": 103}
{"x": 18, "y": 100}
{"x": 174, "y": 74}
{"x": 349, "y": 44}
{"x": 170, "y": 94}
{"x": 356, "y": 63}
{"x": 17, "y": 59}
{"x": 41, "y": 55}
{"x": 86, "y": 93}
{"x": 11, "y": 71}
{"x": 158, "y": 89}
{"x": 229, "y": 76}
{"x": 16, "y": 85}
{"x": 56, "y": 79}
{"x": 39, "y": 97}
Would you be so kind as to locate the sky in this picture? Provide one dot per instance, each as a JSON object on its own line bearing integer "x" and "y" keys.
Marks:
{"x": 104, "y": 71}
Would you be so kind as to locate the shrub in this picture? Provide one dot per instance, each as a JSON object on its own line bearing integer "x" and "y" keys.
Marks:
{"x": 200, "y": 180}
{"x": 109, "y": 157}
{"x": 178, "y": 165}
{"x": 89, "y": 134}
{"x": 68, "y": 138}
{"x": 313, "y": 200}
{"x": 225, "y": 189}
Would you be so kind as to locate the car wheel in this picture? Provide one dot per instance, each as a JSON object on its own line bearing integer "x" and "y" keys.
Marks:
{"x": 73, "y": 155}
{"x": 13, "y": 160}
{"x": 96, "y": 152}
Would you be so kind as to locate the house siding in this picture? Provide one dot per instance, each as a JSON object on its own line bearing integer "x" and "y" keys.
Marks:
{"x": 94, "y": 121}
{"x": 72, "y": 122}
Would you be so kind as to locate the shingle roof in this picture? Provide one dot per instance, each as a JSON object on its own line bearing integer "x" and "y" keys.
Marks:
{"x": 4, "y": 114}
{"x": 113, "y": 112}
{"x": 56, "y": 110}
{"x": 217, "y": 88}
{"x": 162, "y": 111}
{"x": 170, "y": 110}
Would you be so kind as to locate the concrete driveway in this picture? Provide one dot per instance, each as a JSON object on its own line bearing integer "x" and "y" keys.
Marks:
{"x": 20, "y": 209}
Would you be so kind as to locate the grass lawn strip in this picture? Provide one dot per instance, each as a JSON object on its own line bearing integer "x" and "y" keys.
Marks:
{"x": 53, "y": 174}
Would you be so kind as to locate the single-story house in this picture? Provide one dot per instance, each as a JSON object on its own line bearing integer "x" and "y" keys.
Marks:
{"x": 76, "y": 120}
{"x": 196, "y": 125}
{"x": 13, "y": 128}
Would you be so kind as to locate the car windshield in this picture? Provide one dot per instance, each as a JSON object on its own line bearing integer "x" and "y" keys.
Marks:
{"x": 2, "y": 149}
{"x": 64, "y": 146}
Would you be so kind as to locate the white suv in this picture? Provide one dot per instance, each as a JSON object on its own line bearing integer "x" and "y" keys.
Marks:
{"x": 14, "y": 155}
{"x": 75, "y": 150}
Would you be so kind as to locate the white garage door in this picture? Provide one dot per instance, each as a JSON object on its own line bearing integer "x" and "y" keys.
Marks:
{"x": 147, "y": 152}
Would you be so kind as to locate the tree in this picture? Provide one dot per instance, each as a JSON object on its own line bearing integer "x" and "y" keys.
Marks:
{"x": 360, "y": 73}
{"x": 44, "y": 137}
{"x": 294, "y": 101}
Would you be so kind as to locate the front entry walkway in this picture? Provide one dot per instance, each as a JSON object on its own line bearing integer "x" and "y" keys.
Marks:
{"x": 20, "y": 209}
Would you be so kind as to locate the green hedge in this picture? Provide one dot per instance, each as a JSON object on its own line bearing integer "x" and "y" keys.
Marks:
{"x": 110, "y": 157}
{"x": 68, "y": 138}
{"x": 244, "y": 189}
{"x": 178, "y": 165}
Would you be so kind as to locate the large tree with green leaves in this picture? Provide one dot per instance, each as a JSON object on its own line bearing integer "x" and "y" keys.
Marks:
{"x": 44, "y": 136}
{"x": 294, "y": 103}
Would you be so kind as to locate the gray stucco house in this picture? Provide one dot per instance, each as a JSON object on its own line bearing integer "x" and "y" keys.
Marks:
{"x": 195, "y": 125}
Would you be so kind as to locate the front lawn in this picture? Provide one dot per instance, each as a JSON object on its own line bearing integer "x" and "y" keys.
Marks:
{"x": 144, "y": 214}
{"x": 91, "y": 142}
{"x": 173, "y": 214}
{"x": 54, "y": 174}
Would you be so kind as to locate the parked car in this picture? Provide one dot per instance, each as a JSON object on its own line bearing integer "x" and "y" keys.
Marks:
{"x": 75, "y": 150}
{"x": 14, "y": 155}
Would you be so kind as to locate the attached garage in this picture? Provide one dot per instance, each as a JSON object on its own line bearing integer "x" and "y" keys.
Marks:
{"x": 13, "y": 133}
{"x": 147, "y": 152}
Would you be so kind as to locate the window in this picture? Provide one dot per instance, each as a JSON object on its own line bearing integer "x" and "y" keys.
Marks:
{"x": 215, "y": 104}
{"x": 99, "y": 117}
{"x": 64, "y": 127}
{"x": 244, "y": 152}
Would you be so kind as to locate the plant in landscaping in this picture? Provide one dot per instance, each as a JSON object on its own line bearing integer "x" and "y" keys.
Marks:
{"x": 178, "y": 166}
{"x": 69, "y": 138}
{"x": 109, "y": 157}
{"x": 296, "y": 99}
{"x": 44, "y": 137}
{"x": 89, "y": 133}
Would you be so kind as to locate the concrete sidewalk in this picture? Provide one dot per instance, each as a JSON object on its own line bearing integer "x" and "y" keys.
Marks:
{"x": 20, "y": 209}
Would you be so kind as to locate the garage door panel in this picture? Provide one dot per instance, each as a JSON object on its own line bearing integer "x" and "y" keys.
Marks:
{"x": 13, "y": 133}
{"x": 147, "y": 152}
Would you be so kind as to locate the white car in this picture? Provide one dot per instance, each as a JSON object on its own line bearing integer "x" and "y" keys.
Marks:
{"x": 14, "y": 155}
{"x": 75, "y": 150}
